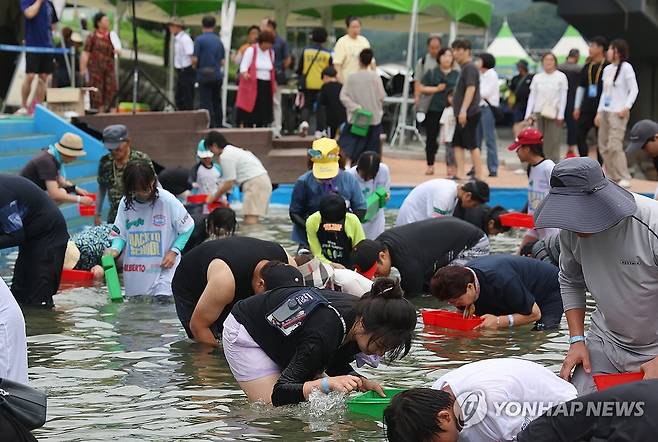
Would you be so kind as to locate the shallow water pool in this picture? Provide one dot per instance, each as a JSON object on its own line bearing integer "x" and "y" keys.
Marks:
{"x": 127, "y": 371}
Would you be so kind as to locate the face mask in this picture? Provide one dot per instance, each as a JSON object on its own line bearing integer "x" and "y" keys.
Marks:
{"x": 364, "y": 359}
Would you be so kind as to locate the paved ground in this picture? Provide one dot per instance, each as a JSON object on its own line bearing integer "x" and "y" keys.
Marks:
{"x": 407, "y": 164}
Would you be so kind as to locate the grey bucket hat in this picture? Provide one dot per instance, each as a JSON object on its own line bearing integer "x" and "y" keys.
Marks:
{"x": 582, "y": 199}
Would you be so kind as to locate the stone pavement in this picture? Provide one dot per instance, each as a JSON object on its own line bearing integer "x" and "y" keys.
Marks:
{"x": 407, "y": 165}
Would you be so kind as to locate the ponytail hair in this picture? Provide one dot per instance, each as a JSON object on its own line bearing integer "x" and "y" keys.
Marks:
{"x": 388, "y": 316}
{"x": 621, "y": 46}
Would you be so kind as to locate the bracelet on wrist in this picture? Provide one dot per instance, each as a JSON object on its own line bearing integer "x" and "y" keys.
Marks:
{"x": 575, "y": 339}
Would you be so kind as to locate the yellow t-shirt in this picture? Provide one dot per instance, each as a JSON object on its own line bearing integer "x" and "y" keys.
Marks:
{"x": 346, "y": 53}
{"x": 314, "y": 74}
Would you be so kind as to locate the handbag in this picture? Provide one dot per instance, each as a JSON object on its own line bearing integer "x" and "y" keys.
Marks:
{"x": 25, "y": 403}
{"x": 498, "y": 114}
{"x": 549, "y": 111}
{"x": 301, "y": 80}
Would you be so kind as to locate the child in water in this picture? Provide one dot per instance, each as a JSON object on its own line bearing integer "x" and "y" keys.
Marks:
{"x": 154, "y": 227}
{"x": 206, "y": 175}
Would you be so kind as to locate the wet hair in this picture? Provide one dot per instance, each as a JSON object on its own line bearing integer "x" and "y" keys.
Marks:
{"x": 493, "y": 214}
{"x": 208, "y": 21}
{"x": 622, "y": 49}
{"x": 368, "y": 163}
{"x": 433, "y": 37}
{"x": 350, "y": 19}
{"x": 332, "y": 208}
{"x": 330, "y": 71}
{"x": 461, "y": 44}
{"x": 266, "y": 37}
{"x": 550, "y": 54}
{"x": 319, "y": 35}
{"x": 217, "y": 138}
{"x": 411, "y": 415}
{"x": 366, "y": 56}
{"x": 450, "y": 282}
{"x": 600, "y": 41}
{"x": 138, "y": 175}
{"x": 488, "y": 60}
{"x": 221, "y": 222}
{"x": 97, "y": 18}
{"x": 526, "y": 250}
{"x": 390, "y": 317}
{"x": 442, "y": 52}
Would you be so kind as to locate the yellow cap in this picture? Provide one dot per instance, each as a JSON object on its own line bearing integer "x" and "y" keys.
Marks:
{"x": 324, "y": 155}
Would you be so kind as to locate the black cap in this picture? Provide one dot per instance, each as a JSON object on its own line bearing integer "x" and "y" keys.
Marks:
{"x": 642, "y": 132}
{"x": 478, "y": 189}
{"x": 282, "y": 276}
{"x": 365, "y": 255}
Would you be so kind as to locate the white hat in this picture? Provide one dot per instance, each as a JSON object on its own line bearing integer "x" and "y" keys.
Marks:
{"x": 202, "y": 152}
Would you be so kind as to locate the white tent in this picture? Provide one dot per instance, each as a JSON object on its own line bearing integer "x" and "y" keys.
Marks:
{"x": 506, "y": 48}
{"x": 570, "y": 40}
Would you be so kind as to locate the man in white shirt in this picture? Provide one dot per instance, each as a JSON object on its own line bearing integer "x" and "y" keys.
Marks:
{"x": 239, "y": 166}
{"x": 489, "y": 99}
{"x": 440, "y": 197}
{"x": 186, "y": 75}
{"x": 488, "y": 400}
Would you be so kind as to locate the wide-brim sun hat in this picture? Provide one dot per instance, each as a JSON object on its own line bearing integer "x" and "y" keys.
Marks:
{"x": 71, "y": 145}
{"x": 582, "y": 199}
{"x": 71, "y": 257}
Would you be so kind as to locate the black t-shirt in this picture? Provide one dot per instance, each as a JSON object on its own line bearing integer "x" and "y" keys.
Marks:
{"x": 330, "y": 98}
{"x": 43, "y": 167}
{"x": 419, "y": 249}
{"x": 199, "y": 234}
{"x": 470, "y": 76}
{"x": 175, "y": 179}
{"x": 521, "y": 87}
{"x": 589, "y": 420}
{"x": 592, "y": 73}
{"x": 311, "y": 349}
{"x": 240, "y": 253}
{"x": 27, "y": 214}
{"x": 512, "y": 284}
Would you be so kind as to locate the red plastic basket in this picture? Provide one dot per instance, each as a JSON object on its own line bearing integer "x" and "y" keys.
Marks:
{"x": 199, "y": 198}
{"x": 77, "y": 276}
{"x": 88, "y": 210}
{"x": 605, "y": 381}
{"x": 517, "y": 219}
{"x": 448, "y": 319}
{"x": 216, "y": 204}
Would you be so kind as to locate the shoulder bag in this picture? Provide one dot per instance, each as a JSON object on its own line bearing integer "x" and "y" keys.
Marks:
{"x": 25, "y": 403}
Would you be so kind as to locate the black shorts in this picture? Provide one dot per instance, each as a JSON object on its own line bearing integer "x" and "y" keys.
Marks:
{"x": 37, "y": 273}
{"x": 39, "y": 63}
{"x": 466, "y": 137}
{"x": 185, "y": 309}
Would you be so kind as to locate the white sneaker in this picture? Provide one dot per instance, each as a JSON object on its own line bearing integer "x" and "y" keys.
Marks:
{"x": 624, "y": 183}
{"x": 22, "y": 111}
{"x": 303, "y": 128}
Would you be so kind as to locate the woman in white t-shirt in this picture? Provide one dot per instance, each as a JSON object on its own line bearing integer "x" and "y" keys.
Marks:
{"x": 153, "y": 227}
{"x": 372, "y": 174}
{"x": 257, "y": 83}
{"x": 348, "y": 48}
{"x": 619, "y": 93}
{"x": 546, "y": 105}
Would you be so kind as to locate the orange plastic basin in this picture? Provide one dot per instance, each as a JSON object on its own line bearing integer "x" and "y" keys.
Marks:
{"x": 199, "y": 198}
{"x": 605, "y": 381}
{"x": 517, "y": 219}
{"x": 448, "y": 319}
{"x": 88, "y": 210}
{"x": 77, "y": 276}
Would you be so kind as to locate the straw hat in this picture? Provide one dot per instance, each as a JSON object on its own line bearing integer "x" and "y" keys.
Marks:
{"x": 72, "y": 256}
{"x": 71, "y": 145}
{"x": 177, "y": 21}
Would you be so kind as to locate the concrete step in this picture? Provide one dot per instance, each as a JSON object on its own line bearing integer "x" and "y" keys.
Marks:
{"x": 74, "y": 171}
{"x": 293, "y": 142}
{"x": 17, "y": 159}
{"x": 16, "y": 125}
{"x": 11, "y": 142}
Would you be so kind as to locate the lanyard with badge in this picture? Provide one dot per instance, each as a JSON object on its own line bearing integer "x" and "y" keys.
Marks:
{"x": 593, "y": 87}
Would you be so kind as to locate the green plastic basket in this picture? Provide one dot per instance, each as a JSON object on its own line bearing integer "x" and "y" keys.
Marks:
{"x": 374, "y": 202}
{"x": 361, "y": 122}
{"x": 370, "y": 404}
